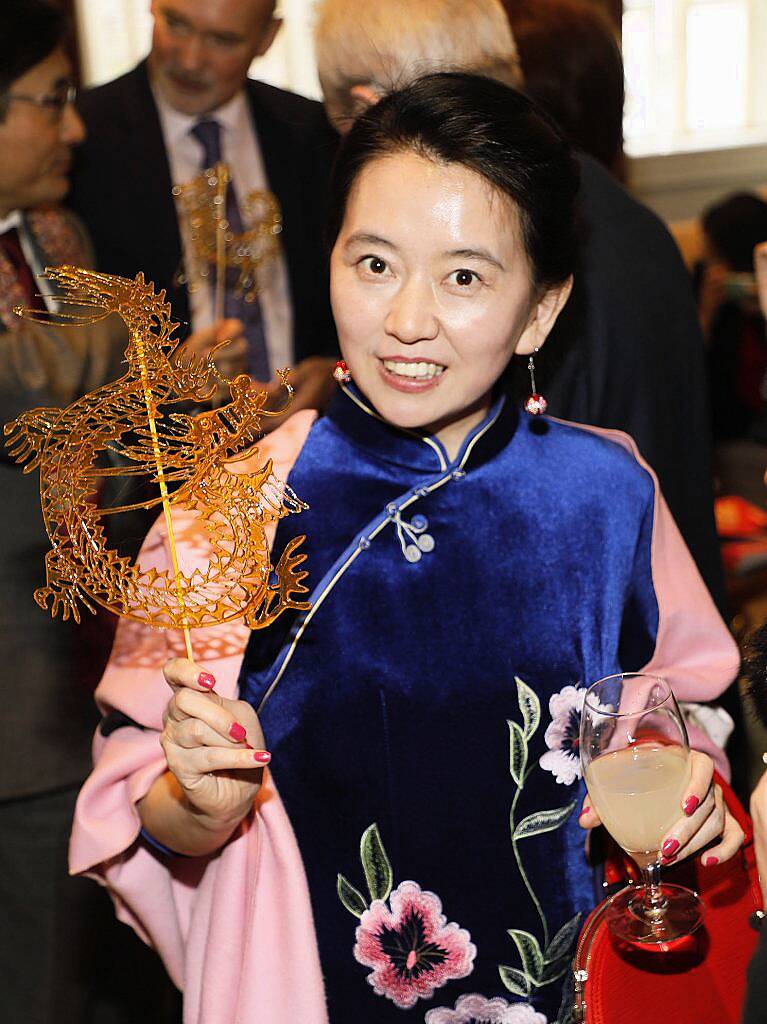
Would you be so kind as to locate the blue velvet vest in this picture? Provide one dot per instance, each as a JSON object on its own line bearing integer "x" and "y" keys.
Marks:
{"x": 451, "y": 601}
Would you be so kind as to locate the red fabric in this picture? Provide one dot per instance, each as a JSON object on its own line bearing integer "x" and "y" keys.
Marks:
{"x": 703, "y": 980}
{"x": 11, "y": 244}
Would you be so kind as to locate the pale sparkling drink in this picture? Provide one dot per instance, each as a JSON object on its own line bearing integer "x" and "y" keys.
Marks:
{"x": 637, "y": 792}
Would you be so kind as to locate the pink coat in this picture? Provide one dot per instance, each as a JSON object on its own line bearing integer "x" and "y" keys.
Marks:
{"x": 235, "y": 929}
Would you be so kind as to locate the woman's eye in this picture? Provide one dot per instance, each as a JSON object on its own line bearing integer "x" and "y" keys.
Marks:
{"x": 374, "y": 264}
{"x": 464, "y": 278}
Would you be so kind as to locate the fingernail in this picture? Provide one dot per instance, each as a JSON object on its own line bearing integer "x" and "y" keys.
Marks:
{"x": 585, "y": 811}
{"x": 670, "y": 847}
{"x": 207, "y": 680}
{"x": 709, "y": 862}
{"x": 668, "y": 860}
{"x": 237, "y": 732}
{"x": 690, "y": 805}
{"x": 262, "y": 756}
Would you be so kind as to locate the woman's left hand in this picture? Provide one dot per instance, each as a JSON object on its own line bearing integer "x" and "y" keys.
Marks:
{"x": 704, "y": 818}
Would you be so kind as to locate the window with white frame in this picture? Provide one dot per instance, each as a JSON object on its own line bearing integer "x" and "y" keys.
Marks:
{"x": 696, "y": 74}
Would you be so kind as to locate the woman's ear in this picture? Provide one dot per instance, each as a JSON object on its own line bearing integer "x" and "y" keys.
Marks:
{"x": 543, "y": 316}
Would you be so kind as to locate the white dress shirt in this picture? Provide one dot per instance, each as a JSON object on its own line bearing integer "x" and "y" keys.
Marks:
{"x": 241, "y": 152}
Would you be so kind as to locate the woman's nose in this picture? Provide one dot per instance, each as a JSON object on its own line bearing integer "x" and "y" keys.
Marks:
{"x": 412, "y": 316}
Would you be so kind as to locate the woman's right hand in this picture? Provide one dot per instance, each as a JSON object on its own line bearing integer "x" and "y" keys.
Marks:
{"x": 214, "y": 747}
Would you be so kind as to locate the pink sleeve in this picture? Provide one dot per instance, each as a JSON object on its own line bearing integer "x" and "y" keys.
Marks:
{"x": 235, "y": 929}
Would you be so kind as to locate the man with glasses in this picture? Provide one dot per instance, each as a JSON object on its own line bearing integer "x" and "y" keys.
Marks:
{"x": 58, "y": 939}
{"x": 187, "y": 106}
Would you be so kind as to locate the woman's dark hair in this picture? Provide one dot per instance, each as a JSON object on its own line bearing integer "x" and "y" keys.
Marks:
{"x": 573, "y": 68}
{"x": 490, "y": 129}
{"x": 31, "y": 30}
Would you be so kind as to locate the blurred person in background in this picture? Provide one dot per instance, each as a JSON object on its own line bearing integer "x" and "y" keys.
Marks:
{"x": 188, "y": 105}
{"x": 59, "y": 945}
{"x": 731, "y": 319}
{"x": 572, "y": 63}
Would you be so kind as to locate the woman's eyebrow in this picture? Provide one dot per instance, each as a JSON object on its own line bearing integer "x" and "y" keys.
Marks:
{"x": 369, "y": 239}
{"x": 477, "y": 254}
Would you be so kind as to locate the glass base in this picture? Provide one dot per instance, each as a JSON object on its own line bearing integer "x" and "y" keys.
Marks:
{"x": 676, "y": 913}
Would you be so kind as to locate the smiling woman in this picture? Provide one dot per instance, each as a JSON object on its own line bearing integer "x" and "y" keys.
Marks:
{"x": 430, "y": 310}
{"x": 471, "y": 566}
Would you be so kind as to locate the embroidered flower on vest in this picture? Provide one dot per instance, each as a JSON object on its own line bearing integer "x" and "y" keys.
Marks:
{"x": 563, "y": 735}
{"x": 475, "y": 1009}
{"x": 411, "y": 947}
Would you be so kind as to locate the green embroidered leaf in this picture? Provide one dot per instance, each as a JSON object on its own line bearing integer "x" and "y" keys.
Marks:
{"x": 351, "y": 898}
{"x": 517, "y": 753}
{"x": 552, "y": 972}
{"x": 542, "y": 821}
{"x": 565, "y": 1015}
{"x": 529, "y": 705}
{"x": 375, "y": 863}
{"x": 562, "y": 942}
{"x": 530, "y": 953}
{"x": 514, "y": 980}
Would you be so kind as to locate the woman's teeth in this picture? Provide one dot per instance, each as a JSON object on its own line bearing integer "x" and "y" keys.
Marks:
{"x": 418, "y": 371}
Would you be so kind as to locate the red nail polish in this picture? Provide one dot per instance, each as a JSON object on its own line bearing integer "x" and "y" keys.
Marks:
{"x": 262, "y": 756}
{"x": 691, "y": 805}
{"x": 670, "y": 847}
{"x": 585, "y": 811}
{"x": 710, "y": 862}
{"x": 668, "y": 860}
{"x": 237, "y": 732}
{"x": 206, "y": 680}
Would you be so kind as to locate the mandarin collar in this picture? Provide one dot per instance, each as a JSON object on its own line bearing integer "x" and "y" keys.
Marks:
{"x": 355, "y": 416}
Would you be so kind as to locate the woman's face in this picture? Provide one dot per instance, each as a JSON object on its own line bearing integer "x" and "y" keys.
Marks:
{"x": 432, "y": 293}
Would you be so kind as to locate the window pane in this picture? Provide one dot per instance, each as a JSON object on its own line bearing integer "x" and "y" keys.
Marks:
{"x": 717, "y": 56}
{"x": 638, "y": 62}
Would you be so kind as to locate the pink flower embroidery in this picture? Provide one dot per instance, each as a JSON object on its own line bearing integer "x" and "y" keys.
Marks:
{"x": 411, "y": 947}
{"x": 474, "y": 1009}
{"x": 563, "y": 735}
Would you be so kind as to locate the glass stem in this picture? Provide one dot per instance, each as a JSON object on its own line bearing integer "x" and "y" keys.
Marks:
{"x": 654, "y": 901}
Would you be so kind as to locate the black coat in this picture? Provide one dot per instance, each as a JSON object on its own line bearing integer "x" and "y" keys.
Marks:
{"x": 121, "y": 188}
{"x": 627, "y": 353}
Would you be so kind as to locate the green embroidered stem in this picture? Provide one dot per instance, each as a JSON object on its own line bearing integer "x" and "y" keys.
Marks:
{"x": 531, "y": 893}
{"x": 518, "y": 857}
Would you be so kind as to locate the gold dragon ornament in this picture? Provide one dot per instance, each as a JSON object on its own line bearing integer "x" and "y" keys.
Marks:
{"x": 134, "y": 418}
{"x": 213, "y": 246}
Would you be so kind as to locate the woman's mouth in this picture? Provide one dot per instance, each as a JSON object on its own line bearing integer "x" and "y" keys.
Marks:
{"x": 411, "y": 375}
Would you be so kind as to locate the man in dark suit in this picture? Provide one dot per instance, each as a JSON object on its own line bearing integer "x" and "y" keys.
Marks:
{"x": 187, "y": 105}
{"x": 59, "y": 945}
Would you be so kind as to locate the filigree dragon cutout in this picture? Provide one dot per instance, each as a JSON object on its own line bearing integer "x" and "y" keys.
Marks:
{"x": 141, "y": 417}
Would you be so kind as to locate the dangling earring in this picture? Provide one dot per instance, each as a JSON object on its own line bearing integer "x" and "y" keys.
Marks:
{"x": 536, "y": 404}
{"x": 341, "y": 372}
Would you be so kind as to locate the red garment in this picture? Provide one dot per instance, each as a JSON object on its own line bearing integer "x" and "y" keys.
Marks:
{"x": 11, "y": 246}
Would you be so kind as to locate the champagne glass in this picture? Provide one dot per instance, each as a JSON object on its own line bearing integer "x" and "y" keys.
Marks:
{"x": 636, "y": 762}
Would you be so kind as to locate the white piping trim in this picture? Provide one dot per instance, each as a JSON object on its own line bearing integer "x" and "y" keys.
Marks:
{"x": 342, "y": 568}
{"x": 413, "y": 433}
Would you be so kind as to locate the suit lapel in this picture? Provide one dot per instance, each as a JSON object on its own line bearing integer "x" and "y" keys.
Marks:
{"x": 158, "y": 221}
{"x": 279, "y": 163}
